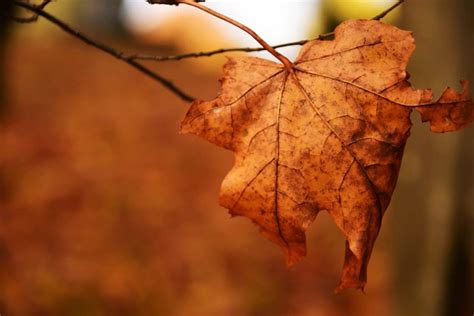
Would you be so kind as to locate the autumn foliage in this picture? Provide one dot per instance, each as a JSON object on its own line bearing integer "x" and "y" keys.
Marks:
{"x": 326, "y": 134}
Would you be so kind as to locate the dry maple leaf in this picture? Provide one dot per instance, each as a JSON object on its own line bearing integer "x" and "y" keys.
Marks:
{"x": 327, "y": 134}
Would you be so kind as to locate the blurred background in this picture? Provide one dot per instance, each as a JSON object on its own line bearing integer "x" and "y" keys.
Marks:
{"x": 106, "y": 210}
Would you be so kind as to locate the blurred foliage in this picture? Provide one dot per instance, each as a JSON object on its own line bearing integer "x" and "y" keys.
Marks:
{"x": 106, "y": 210}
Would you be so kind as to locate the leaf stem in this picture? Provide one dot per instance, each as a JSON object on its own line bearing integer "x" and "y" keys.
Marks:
{"x": 284, "y": 60}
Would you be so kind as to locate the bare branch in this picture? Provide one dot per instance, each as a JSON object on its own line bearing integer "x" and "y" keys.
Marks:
{"x": 324, "y": 36}
{"x": 384, "y": 13}
{"x": 132, "y": 60}
{"x": 220, "y": 51}
{"x": 38, "y": 10}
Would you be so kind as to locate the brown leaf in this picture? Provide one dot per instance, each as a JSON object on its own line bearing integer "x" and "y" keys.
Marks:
{"x": 326, "y": 135}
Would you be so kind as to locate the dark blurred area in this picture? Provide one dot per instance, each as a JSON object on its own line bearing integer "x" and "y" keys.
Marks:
{"x": 106, "y": 210}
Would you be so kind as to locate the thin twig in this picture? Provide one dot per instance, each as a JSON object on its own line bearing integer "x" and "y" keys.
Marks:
{"x": 209, "y": 53}
{"x": 384, "y": 13}
{"x": 38, "y": 10}
{"x": 324, "y": 36}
